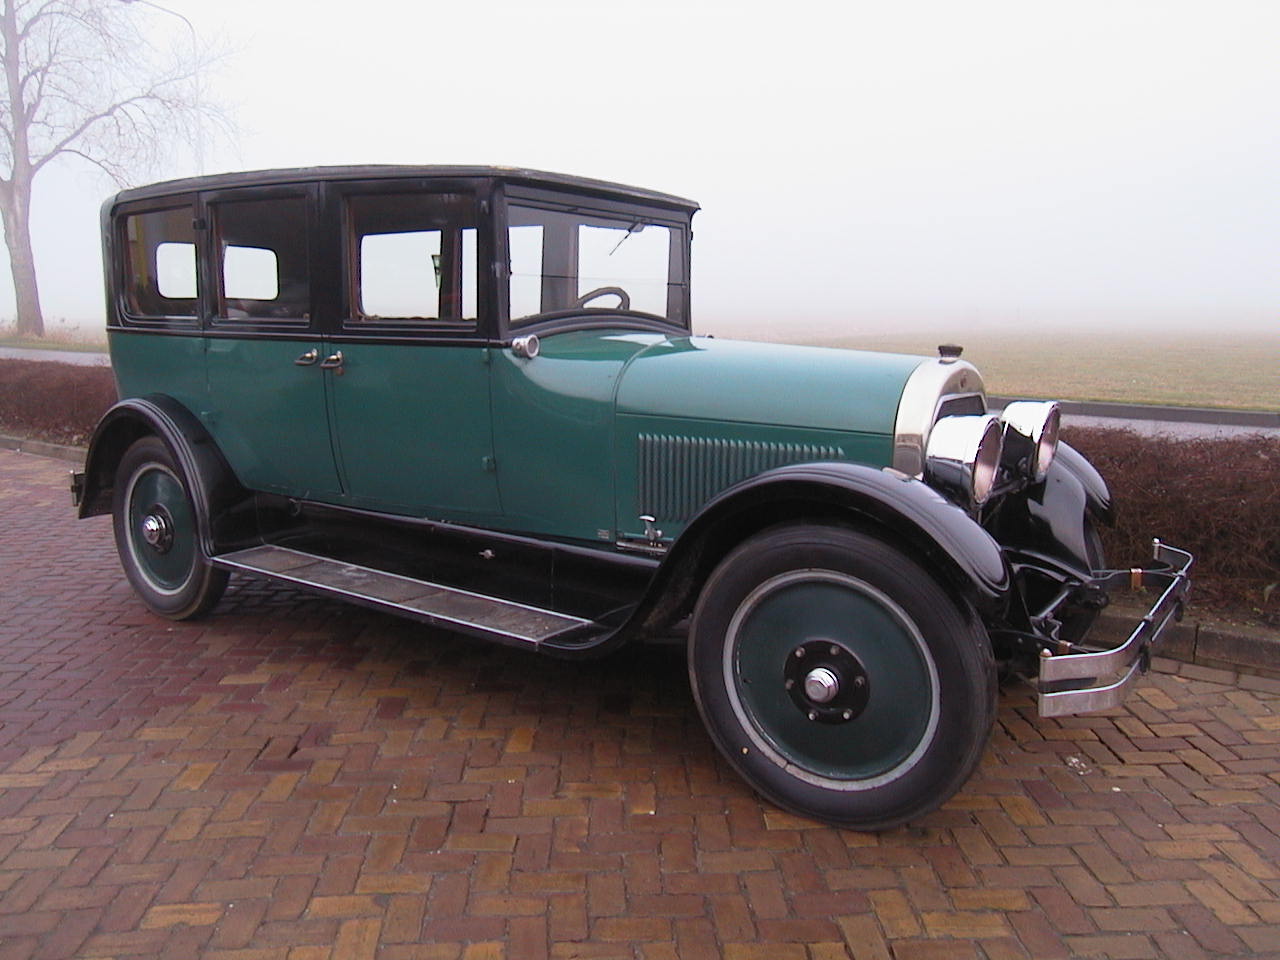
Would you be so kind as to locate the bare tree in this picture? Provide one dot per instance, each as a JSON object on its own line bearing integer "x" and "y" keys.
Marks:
{"x": 81, "y": 80}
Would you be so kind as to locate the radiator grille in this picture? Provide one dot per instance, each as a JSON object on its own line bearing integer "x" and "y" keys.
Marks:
{"x": 677, "y": 475}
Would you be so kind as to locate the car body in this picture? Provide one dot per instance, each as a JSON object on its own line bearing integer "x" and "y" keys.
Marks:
{"x": 471, "y": 395}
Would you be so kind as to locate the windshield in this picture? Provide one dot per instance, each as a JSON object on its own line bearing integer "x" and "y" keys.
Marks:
{"x": 567, "y": 261}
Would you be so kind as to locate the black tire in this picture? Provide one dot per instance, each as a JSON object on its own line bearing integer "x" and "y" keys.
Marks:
{"x": 156, "y": 535}
{"x": 877, "y": 753}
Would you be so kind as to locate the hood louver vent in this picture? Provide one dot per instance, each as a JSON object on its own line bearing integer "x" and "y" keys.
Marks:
{"x": 679, "y": 474}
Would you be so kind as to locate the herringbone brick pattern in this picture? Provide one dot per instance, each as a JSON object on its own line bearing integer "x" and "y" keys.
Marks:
{"x": 300, "y": 779}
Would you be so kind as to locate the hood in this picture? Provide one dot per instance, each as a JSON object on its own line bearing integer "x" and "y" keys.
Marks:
{"x": 766, "y": 383}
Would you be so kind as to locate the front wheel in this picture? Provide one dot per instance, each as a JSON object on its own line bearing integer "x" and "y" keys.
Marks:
{"x": 839, "y": 678}
{"x": 156, "y": 535}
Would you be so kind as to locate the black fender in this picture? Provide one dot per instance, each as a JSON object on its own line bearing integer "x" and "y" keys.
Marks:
{"x": 968, "y": 560}
{"x": 210, "y": 481}
{"x": 1048, "y": 520}
{"x": 1097, "y": 494}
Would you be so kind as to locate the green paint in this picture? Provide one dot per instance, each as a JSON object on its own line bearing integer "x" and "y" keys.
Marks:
{"x": 554, "y": 431}
{"x": 268, "y": 415}
{"x": 412, "y": 429}
{"x": 146, "y": 363}
{"x": 767, "y": 383}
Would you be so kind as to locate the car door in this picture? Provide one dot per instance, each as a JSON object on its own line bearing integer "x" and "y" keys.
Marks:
{"x": 409, "y": 370}
{"x": 265, "y": 399}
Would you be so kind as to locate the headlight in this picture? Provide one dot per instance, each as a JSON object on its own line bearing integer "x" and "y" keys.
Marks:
{"x": 1031, "y": 437}
{"x": 963, "y": 456}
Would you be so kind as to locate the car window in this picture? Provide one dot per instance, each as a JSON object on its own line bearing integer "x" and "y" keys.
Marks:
{"x": 412, "y": 258}
{"x": 263, "y": 265}
{"x": 563, "y": 260}
{"x": 160, "y": 264}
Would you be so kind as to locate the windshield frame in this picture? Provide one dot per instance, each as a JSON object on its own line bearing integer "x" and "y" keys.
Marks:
{"x": 624, "y": 215}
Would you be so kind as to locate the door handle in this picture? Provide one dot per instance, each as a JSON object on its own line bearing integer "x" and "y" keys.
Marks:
{"x": 308, "y": 358}
{"x": 332, "y": 362}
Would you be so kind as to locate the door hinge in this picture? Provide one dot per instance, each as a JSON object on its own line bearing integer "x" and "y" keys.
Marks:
{"x": 490, "y": 464}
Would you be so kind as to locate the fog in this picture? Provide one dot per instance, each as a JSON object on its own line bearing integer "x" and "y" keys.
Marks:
{"x": 860, "y": 165}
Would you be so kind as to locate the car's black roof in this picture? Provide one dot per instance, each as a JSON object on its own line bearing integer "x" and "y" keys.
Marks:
{"x": 519, "y": 175}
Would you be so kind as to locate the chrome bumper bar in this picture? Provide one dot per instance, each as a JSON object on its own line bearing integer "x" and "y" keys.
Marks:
{"x": 1107, "y": 674}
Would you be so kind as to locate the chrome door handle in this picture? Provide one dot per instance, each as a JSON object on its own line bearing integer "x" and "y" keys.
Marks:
{"x": 332, "y": 362}
{"x": 308, "y": 358}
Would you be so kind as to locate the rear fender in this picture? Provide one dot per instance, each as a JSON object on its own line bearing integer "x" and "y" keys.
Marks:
{"x": 212, "y": 485}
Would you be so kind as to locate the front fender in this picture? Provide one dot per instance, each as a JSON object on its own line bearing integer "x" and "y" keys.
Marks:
{"x": 1097, "y": 495}
{"x": 1049, "y": 519}
{"x": 210, "y": 482}
{"x": 940, "y": 535}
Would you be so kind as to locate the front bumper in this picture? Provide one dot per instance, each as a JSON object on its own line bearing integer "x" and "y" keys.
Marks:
{"x": 1082, "y": 682}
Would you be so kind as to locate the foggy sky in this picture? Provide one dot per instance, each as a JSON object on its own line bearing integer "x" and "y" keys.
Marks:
{"x": 859, "y": 164}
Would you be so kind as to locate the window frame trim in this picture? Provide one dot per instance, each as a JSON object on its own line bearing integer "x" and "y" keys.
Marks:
{"x": 344, "y": 325}
{"x": 678, "y": 221}
{"x": 120, "y": 316}
{"x": 216, "y": 320}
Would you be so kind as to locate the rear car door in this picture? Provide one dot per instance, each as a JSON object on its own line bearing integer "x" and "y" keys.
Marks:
{"x": 265, "y": 404}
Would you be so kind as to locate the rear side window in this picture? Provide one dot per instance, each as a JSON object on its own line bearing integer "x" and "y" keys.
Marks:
{"x": 263, "y": 269}
{"x": 161, "y": 281}
{"x": 412, "y": 259}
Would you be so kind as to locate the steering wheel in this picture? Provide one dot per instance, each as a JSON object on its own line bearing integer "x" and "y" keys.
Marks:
{"x": 618, "y": 292}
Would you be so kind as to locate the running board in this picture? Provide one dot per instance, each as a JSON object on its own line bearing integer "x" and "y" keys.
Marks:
{"x": 474, "y": 613}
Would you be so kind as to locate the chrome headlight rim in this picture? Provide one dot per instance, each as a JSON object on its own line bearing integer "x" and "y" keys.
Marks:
{"x": 1032, "y": 430}
{"x": 964, "y": 455}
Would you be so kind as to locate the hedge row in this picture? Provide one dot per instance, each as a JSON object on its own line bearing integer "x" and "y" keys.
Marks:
{"x": 1218, "y": 498}
{"x": 57, "y": 402}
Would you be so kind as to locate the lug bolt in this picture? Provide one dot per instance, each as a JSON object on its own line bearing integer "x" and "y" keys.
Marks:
{"x": 799, "y": 653}
{"x": 848, "y": 714}
{"x": 835, "y": 651}
{"x": 789, "y": 684}
{"x": 859, "y": 682}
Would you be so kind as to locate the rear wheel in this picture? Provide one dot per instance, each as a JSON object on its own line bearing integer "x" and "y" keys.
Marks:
{"x": 839, "y": 678}
{"x": 157, "y": 536}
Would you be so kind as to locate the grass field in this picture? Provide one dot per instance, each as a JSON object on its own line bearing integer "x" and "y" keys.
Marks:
{"x": 1234, "y": 370}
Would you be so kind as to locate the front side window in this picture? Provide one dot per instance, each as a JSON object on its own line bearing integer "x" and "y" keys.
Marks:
{"x": 563, "y": 261}
{"x": 160, "y": 265}
{"x": 263, "y": 268}
{"x": 412, "y": 259}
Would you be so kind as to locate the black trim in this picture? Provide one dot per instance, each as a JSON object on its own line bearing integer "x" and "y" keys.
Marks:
{"x": 156, "y": 331}
{"x": 566, "y": 321}
{"x": 514, "y": 175}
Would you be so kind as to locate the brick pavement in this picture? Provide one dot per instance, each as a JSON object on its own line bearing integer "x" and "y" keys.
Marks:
{"x": 300, "y": 779}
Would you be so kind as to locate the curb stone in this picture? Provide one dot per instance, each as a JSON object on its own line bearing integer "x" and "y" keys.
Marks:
{"x": 1251, "y": 654}
{"x": 40, "y": 448}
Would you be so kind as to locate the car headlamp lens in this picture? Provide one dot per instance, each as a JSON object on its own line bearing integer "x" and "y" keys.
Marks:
{"x": 1031, "y": 436}
{"x": 964, "y": 456}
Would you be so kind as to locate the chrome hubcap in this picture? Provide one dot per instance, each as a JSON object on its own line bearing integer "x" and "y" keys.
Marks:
{"x": 821, "y": 685}
{"x": 826, "y": 681}
{"x": 157, "y": 530}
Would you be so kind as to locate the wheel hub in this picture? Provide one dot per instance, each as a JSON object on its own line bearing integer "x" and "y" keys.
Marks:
{"x": 827, "y": 681}
{"x": 157, "y": 529}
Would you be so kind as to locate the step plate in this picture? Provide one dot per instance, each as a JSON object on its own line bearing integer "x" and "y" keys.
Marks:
{"x": 433, "y": 602}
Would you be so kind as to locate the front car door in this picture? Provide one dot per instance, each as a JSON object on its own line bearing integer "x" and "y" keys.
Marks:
{"x": 410, "y": 391}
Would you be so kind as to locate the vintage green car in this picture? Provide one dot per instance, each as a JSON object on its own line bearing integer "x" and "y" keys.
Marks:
{"x": 471, "y": 395}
